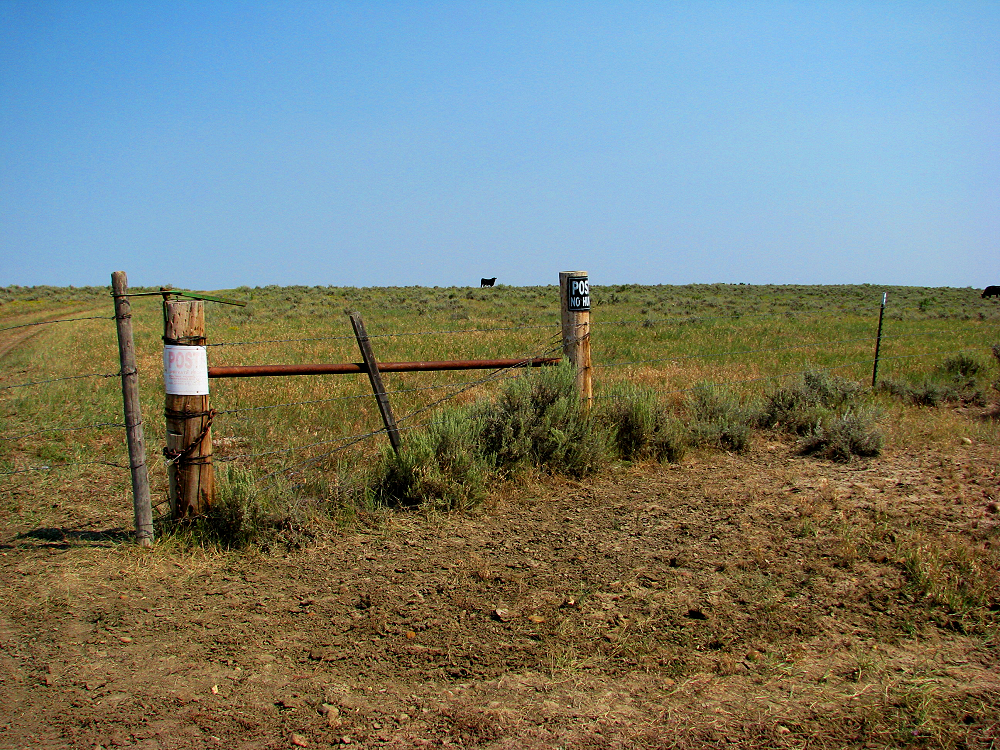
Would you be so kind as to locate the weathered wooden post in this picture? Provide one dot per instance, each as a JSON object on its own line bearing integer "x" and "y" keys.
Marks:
{"x": 141, "y": 504}
{"x": 574, "y": 294}
{"x": 188, "y": 415}
{"x": 375, "y": 378}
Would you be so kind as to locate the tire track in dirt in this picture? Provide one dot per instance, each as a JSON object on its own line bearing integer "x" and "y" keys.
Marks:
{"x": 11, "y": 340}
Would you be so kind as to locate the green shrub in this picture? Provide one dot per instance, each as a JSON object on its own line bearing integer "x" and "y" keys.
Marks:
{"x": 995, "y": 350}
{"x": 962, "y": 366}
{"x": 639, "y": 427}
{"x": 538, "y": 420}
{"x": 797, "y": 408}
{"x": 247, "y": 514}
{"x": 442, "y": 466}
{"x": 854, "y": 432}
{"x": 956, "y": 380}
{"x": 717, "y": 417}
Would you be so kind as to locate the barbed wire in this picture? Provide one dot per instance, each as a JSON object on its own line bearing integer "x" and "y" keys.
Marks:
{"x": 353, "y": 440}
{"x": 438, "y": 386}
{"x": 294, "y": 449}
{"x": 731, "y": 353}
{"x": 357, "y": 438}
{"x": 49, "y": 467}
{"x": 57, "y": 380}
{"x": 812, "y": 345}
{"x": 98, "y": 425}
{"x": 383, "y": 335}
{"x": 730, "y": 317}
{"x": 50, "y": 322}
{"x": 883, "y": 358}
{"x": 490, "y": 378}
{"x": 779, "y": 376}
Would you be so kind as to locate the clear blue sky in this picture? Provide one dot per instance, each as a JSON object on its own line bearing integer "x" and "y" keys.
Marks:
{"x": 214, "y": 144}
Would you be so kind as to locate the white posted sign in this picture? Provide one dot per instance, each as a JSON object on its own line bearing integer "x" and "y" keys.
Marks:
{"x": 185, "y": 370}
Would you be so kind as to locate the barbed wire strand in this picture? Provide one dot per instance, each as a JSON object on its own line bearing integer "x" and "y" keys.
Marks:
{"x": 50, "y": 322}
{"x": 342, "y": 398}
{"x": 375, "y": 432}
{"x": 738, "y": 352}
{"x": 383, "y": 335}
{"x": 64, "y": 465}
{"x": 737, "y": 316}
{"x": 356, "y": 439}
{"x": 779, "y": 376}
{"x": 58, "y": 380}
{"x": 98, "y": 425}
{"x": 727, "y": 353}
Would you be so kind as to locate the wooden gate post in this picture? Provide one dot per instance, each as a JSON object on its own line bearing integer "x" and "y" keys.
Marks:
{"x": 574, "y": 295}
{"x": 141, "y": 505}
{"x": 188, "y": 415}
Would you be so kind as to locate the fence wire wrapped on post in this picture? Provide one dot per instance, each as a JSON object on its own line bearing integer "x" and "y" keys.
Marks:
{"x": 187, "y": 411}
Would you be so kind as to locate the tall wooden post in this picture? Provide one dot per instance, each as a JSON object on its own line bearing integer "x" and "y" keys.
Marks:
{"x": 188, "y": 415}
{"x": 141, "y": 504}
{"x": 574, "y": 295}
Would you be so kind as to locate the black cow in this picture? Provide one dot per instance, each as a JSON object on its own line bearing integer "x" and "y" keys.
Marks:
{"x": 991, "y": 291}
{"x": 487, "y": 282}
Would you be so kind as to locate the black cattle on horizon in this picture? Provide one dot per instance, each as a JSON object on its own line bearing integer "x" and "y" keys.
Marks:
{"x": 991, "y": 291}
{"x": 487, "y": 282}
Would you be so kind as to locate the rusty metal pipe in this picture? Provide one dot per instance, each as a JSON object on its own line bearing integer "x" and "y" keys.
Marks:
{"x": 257, "y": 371}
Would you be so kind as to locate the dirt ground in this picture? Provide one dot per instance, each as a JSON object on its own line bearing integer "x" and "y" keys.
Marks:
{"x": 757, "y": 600}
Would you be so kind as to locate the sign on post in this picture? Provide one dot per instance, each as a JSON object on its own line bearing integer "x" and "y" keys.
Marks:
{"x": 578, "y": 294}
{"x": 574, "y": 294}
{"x": 185, "y": 370}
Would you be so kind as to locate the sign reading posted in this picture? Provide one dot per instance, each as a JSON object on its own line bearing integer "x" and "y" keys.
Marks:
{"x": 185, "y": 370}
{"x": 577, "y": 294}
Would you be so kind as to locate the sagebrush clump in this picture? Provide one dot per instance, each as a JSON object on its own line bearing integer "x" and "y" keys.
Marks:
{"x": 827, "y": 413}
{"x": 959, "y": 379}
{"x": 719, "y": 418}
{"x": 640, "y": 426}
{"x": 536, "y": 421}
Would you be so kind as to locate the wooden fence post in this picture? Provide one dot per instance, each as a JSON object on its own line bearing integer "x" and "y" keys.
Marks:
{"x": 375, "y": 377}
{"x": 574, "y": 295}
{"x": 141, "y": 505}
{"x": 188, "y": 415}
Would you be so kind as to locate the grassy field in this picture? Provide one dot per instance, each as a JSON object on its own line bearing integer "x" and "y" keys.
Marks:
{"x": 731, "y": 582}
{"x": 61, "y": 403}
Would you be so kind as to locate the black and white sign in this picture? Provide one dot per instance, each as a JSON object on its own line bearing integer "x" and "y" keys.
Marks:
{"x": 577, "y": 294}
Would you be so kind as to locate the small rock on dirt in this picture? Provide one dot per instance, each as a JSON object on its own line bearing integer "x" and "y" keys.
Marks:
{"x": 331, "y": 713}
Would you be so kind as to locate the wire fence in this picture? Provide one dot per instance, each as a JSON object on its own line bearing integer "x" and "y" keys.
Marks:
{"x": 286, "y": 428}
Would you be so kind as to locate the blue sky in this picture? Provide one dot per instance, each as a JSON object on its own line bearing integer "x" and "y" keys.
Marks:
{"x": 215, "y": 144}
